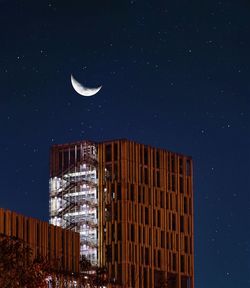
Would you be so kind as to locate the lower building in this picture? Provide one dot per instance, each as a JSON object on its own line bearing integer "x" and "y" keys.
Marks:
{"x": 60, "y": 247}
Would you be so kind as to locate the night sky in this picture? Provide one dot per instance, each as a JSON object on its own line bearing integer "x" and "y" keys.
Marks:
{"x": 175, "y": 75}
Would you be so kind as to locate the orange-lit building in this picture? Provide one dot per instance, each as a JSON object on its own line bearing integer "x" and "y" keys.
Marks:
{"x": 59, "y": 246}
{"x": 133, "y": 207}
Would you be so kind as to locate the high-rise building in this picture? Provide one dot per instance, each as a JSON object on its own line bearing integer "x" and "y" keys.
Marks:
{"x": 133, "y": 207}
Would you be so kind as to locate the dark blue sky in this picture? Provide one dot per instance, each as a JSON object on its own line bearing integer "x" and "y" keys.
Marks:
{"x": 174, "y": 75}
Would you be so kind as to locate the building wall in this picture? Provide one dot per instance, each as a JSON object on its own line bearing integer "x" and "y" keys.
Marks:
{"x": 61, "y": 247}
{"x": 146, "y": 199}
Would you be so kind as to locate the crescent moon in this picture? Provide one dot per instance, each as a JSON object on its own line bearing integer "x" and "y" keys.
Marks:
{"x": 84, "y": 91}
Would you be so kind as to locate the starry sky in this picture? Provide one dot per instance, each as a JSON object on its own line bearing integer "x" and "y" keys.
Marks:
{"x": 175, "y": 75}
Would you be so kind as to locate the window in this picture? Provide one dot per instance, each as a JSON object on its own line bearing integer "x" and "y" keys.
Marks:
{"x": 145, "y": 277}
{"x": 115, "y": 212}
{"x": 4, "y": 223}
{"x": 146, "y": 256}
{"x": 180, "y": 166}
{"x": 132, "y": 233}
{"x": 65, "y": 159}
{"x": 174, "y": 261}
{"x": 119, "y": 273}
{"x": 181, "y": 181}
{"x": 173, "y": 222}
{"x": 139, "y": 194}
{"x": 159, "y": 258}
{"x": 60, "y": 160}
{"x": 28, "y": 230}
{"x": 119, "y": 232}
{"x": 113, "y": 232}
{"x": 119, "y": 196}
{"x": 142, "y": 256}
{"x": 109, "y": 171}
{"x": 162, "y": 239}
{"x": 38, "y": 234}
{"x": 157, "y": 159}
{"x": 149, "y": 196}
{"x": 188, "y": 168}
{"x": 182, "y": 264}
{"x": 173, "y": 163}
{"x": 142, "y": 212}
{"x": 116, "y": 252}
{"x": 143, "y": 195}
{"x": 131, "y": 192}
{"x": 185, "y": 205}
{"x": 188, "y": 185}
{"x": 17, "y": 226}
{"x": 146, "y": 215}
{"x": 115, "y": 152}
{"x": 171, "y": 241}
{"x": 173, "y": 182}
{"x": 154, "y": 220}
{"x": 108, "y": 153}
{"x": 158, "y": 180}
{"x": 156, "y": 197}
{"x": 186, "y": 244}
{"x": 162, "y": 199}
{"x": 154, "y": 258}
{"x": 190, "y": 206}
{"x": 132, "y": 273}
{"x": 169, "y": 187}
{"x": 145, "y": 176}
{"x": 115, "y": 175}
{"x": 145, "y": 156}
{"x": 72, "y": 157}
{"x": 159, "y": 218}
{"x": 167, "y": 241}
{"x": 78, "y": 154}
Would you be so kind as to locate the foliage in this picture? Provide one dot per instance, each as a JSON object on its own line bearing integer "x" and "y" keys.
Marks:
{"x": 91, "y": 276}
{"x": 17, "y": 267}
